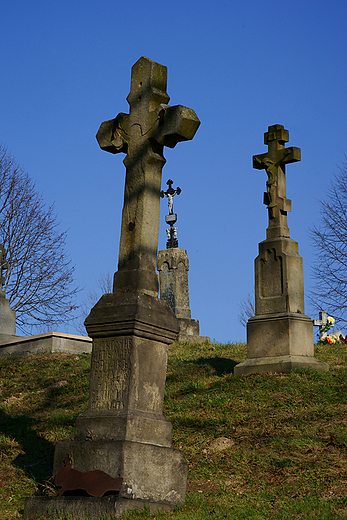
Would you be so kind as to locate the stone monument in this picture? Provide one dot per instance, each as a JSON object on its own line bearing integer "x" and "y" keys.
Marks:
{"x": 124, "y": 434}
{"x": 280, "y": 335}
{"x": 173, "y": 267}
{"x": 7, "y": 315}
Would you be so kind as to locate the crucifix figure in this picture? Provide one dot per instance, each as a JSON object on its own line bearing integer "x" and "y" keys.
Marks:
{"x": 142, "y": 134}
{"x": 171, "y": 218}
{"x": 273, "y": 162}
{"x": 170, "y": 193}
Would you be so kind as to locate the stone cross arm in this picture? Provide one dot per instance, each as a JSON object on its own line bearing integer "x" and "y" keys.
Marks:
{"x": 113, "y": 135}
{"x": 170, "y": 126}
{"x": 177, "y": 123}
{"x": 285, "y": 156}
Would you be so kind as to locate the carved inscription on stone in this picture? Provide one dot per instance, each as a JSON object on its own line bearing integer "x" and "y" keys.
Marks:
{"x": 111, "y": 374}
{"x": 271, "y": 274}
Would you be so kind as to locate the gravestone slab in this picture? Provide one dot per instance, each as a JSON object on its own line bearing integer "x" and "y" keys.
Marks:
{"x": 48, "y": 342}
{"x": 280, "y": 335}
{"x": 7, "y": 315}
{"x": 124, "y": 432}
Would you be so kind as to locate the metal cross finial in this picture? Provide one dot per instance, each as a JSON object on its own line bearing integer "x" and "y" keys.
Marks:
{"x": 170, "y": 193}
{"x": 171, "y": 218}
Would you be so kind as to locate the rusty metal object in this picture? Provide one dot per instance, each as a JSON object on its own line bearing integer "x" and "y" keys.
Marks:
{"x": 95, "y": 483}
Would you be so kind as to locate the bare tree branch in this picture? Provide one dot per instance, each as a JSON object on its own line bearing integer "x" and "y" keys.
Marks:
{"x": 247, "y": 309}
{"x": 104, "y": 285}
{"x": 330, "y": 242}
{"x": 39, "y": 279}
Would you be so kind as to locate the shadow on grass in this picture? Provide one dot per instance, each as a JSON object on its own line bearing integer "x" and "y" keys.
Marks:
{"x": 37, "y": 457}
{"x": 222, "y": 366}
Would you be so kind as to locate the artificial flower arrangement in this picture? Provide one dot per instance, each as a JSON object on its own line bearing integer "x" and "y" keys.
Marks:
{"x": 330, "y": 323}
{"x": 331, "y": 338}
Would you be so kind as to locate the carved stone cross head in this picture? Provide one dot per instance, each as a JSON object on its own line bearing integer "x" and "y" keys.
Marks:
{"x": 150, "y": 114}
{"x": 273, "y": 162}
{"x": 142, "y": 134}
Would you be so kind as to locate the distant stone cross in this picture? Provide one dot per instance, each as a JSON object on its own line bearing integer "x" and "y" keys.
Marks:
{"x": 142, "y": 134}
{"x": 323, "y": 319}
{"x": 170, "y": 193}
{"x": 273, "y": 162}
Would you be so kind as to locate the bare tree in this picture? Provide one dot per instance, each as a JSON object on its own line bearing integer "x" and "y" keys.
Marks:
{"x": 39, "y": 279}
{"x": 104, "y": 285}
{"x": 330, "y": 242}
{"x": 247, "y": 309}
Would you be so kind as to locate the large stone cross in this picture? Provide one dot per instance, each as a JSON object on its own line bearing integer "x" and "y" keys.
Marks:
{"x": 274, "y": 162}
{"x": 142, "y": 134}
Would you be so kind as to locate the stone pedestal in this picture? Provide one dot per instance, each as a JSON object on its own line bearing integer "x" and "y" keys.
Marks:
{"x": 124, "y": 432}
{"x": 173, "y": 267}
{"x": 279, "y": 336}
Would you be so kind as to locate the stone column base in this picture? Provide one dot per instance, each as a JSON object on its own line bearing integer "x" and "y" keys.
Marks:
{"x": 279, "y": 365}
{"x": 280, "y": 343}
{"x": 188, "y": 327}
{"x": 153, "y": 476}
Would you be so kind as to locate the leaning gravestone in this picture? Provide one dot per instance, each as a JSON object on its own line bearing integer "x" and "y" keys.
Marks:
{"x": 279, "y": 336}
{"x": 7, "y": 315}
{"x": 124, "y": 434}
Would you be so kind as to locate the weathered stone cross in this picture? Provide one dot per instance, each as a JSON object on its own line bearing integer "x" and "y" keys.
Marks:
{"x": 274, "y": 162}
{"x": 323, "y": 320}
{"x": 142, "y": 134}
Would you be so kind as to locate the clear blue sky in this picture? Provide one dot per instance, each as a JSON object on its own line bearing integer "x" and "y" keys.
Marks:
{"x": 242, "y": 66}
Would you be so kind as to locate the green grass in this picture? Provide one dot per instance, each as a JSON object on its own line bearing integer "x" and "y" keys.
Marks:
{"x": 258, "y": 447}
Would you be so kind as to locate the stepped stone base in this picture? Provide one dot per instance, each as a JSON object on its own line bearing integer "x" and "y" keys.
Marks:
{"x": 143, "y": 485}
{"x": 149, "y": 472}
{"x": 279, "y": 343}
{"x": 190, "y": 331}
{"x": 49, "y": 342}
{"x": 87, "y": 507}
{"x": 193, "y": 339}
{"x": 279, "y": 365}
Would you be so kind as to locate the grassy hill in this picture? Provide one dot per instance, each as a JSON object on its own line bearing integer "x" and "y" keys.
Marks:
{"x": 258, "y": 447}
